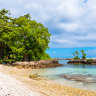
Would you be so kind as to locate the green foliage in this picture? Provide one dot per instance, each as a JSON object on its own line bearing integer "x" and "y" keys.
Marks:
{"x": 89, "y": 60}
{"x": 1, "y": 61}
{"x": 22, "y": 38}
{"x": 8, "y": 61}
{"x": 83, "y": 55}
{"x": 76, "y": 55}
{"x": 76, "y": 58}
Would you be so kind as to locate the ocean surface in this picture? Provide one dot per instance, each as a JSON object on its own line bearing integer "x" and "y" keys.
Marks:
{"x": 68, "y": 52}
{"x": 57, "y": 74}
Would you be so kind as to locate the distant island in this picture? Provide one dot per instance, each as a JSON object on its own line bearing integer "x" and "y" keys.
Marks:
{"x": 83, "y": 60}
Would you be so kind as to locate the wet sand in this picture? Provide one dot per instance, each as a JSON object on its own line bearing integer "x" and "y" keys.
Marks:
{"x": 41, "y": 85}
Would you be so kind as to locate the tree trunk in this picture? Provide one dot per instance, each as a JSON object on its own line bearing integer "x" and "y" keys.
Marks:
{"x": 1, "y": 52}
{"x": 25, "y": 57}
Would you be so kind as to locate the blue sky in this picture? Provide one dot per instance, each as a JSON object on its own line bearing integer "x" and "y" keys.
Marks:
{"x": 72, "y": 23}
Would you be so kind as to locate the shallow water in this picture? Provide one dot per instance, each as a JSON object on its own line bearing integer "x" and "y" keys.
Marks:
{"x": 54, "y": 74}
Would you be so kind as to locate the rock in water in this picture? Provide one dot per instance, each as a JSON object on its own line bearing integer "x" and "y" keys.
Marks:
{"x": 79, "y": 77}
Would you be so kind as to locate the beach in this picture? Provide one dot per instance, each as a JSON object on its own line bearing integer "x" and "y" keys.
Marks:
{"x": 38, "y": 86}
{"x": 10, "y": 86}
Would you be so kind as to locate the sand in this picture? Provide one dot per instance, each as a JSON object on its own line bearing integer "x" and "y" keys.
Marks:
{"x": 10, "y": 86}
{"x": 42, "y": 86}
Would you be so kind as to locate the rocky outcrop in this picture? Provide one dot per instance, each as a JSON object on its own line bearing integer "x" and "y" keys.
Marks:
{"x": 38, "y": 64}
{"x": 80, "y": 77}
{"x": 82, "y": 62}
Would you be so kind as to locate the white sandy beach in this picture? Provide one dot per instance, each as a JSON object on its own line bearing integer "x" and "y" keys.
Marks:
{"x": 16, "y": 82}
{"x": 10, "y": 86}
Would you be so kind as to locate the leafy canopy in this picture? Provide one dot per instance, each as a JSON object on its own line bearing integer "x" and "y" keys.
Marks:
{"x": 22, "y": 38}
{"x": 76, "y": 57}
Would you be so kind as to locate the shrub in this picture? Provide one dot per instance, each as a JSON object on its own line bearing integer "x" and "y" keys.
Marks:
{"x": 76, "y": 58}
{"x": 89, "y": 60}
{"x": 9, "y": 61}
{"x": 1, "y": 61}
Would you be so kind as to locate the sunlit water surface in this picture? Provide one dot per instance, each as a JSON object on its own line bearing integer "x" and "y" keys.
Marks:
{"x": 54, "y": 74}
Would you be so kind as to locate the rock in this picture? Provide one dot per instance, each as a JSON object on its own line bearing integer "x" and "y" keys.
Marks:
{"x": 38, "y": 64}
{"x": 80, "y": 77}
{"x": 80, "y": 61}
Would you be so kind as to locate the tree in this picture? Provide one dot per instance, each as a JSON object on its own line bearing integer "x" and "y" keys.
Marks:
{"x": 22, "y": 38}
{"x": 76, "y": 55}
{"x": 83, "y": 54}
{"x": 4, "y": 29}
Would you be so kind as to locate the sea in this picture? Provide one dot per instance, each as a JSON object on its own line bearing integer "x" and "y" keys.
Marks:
{"x": 86, "y": 71}
{"x": 68, "y": 52}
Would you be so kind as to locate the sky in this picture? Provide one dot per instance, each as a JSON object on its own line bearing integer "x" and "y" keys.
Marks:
{"x": 72, "y": 23}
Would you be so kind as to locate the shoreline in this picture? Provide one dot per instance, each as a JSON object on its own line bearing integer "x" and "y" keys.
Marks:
{"x": 10, "y": 86}
{"x": 36, "y": 64}
{"x": 43, "y": 86}
{"x": 90, "y": 61}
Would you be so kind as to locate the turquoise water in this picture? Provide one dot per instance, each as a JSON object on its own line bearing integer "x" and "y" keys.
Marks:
{"x": 70, "y": 69}
{"x": 54, "y": 74}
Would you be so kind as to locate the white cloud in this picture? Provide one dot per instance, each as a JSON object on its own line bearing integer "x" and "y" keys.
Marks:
{"x": 73, "y": 21}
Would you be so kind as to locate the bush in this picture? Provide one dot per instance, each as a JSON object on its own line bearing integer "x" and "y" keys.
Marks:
{"x": 84, "y": 57}
{"x": 76, "y": 58}
{"x": 89, "y": 60}
{"x": 1, "y": 61}
{"x": 9, "y": 61}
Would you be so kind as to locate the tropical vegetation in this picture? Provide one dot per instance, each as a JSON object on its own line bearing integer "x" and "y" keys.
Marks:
{"x": 76, "y": 55}
{"x": 22, "y": 39}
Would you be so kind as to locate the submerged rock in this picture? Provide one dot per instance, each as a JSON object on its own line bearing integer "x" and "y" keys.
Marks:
{"x": 79, "y": 77}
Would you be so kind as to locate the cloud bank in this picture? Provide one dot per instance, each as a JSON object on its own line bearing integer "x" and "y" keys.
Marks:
{"x": 72, "y": 23}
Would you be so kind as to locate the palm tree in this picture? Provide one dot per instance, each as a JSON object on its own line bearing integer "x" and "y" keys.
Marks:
{"x": 83, "y": 54}
{"x": 76, "y": 55}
